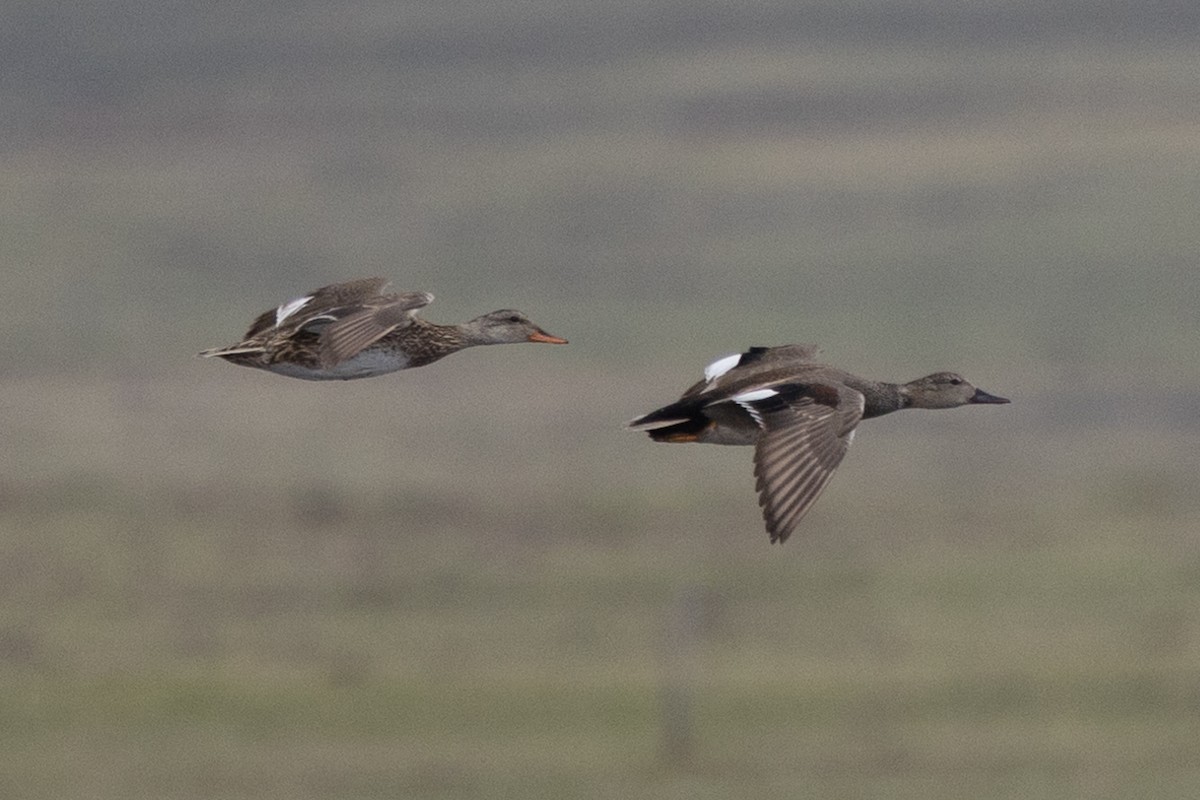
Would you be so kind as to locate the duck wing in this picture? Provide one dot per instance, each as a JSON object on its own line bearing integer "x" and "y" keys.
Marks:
{"x": 346, "y": 335}
{"x": 313, "y": 307}
{"x": 795, "y": 353}
{"x": 757, "y": 364}
{"x": 806, "y": 430}
{"x": 712, "y": 397}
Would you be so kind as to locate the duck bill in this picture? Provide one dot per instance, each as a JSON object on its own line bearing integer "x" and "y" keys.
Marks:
{"x": 981, "y": 396}
{"x": 545, "y": 338}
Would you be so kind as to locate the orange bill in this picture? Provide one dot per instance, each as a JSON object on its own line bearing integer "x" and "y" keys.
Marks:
{"x": 545, "y": 338}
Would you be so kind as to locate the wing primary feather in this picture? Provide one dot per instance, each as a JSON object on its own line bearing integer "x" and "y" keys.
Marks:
{"x": 347, "y": 337}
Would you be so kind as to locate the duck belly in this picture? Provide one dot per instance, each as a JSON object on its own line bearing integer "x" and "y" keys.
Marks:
{"x": 366, "y": 364}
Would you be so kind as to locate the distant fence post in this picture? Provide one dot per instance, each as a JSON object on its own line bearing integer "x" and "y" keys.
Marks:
{"x": 681, "y": 632}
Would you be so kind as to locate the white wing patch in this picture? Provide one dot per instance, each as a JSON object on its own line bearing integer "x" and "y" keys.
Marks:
{"x": 753, "y": 396}
{"x": 722, "y": 365}
{"x": 289, "y": 308}
{"x": 747, "y": 399}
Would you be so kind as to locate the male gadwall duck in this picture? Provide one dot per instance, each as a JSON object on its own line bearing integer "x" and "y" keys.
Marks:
{"x": 799, "y": 415}
{"x": 354, "y": 330}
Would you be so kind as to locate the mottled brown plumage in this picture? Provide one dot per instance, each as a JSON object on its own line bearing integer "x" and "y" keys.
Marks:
{"x": 355, "y": 330}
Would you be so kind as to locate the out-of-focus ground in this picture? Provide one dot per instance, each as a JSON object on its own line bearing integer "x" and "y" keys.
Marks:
{"x": 468, "y": 581}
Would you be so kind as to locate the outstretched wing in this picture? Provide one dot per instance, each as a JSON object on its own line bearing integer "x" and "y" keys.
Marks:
{"x": 343, "y": 338}
{"x": 807, "y": 429}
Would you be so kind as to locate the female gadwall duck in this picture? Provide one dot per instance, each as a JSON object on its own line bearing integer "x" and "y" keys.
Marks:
{"x": 799, "y": 415}
{"x": 354, "y": 330}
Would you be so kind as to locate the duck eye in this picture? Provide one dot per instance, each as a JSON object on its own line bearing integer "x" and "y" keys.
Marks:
{"x": 514, "y": 318}
{"x": 956, "y": 381}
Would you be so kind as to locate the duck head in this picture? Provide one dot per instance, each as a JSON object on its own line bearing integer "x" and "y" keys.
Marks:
{"x": 507, "y": 327}
{"x": 945, "y": 390}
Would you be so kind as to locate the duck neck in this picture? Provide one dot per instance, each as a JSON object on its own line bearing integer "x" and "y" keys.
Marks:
{"x": 454, "y": 337}
{"x": 426, "y": 342}
{"x": 882, "y": 398}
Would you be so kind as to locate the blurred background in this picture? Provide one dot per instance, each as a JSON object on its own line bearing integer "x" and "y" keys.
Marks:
{"x": 468, "y": 581}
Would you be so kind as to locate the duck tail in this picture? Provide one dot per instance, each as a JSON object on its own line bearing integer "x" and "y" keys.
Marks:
{"x": 678, "y": 422}
{"x": 235, "y": 350}
{"x": 667, "y": 415}
{"x": 681, "y": 432}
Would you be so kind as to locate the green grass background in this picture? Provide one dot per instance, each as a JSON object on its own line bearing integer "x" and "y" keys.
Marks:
{"x": 468, "y": 581}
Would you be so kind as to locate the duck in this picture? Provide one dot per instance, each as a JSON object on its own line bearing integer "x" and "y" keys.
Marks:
{"x": 358, "y": 329}
{"x": 799, "y": 415}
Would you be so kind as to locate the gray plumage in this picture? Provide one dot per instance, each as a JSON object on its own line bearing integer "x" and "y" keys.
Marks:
{"x": 799, "y": 415}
